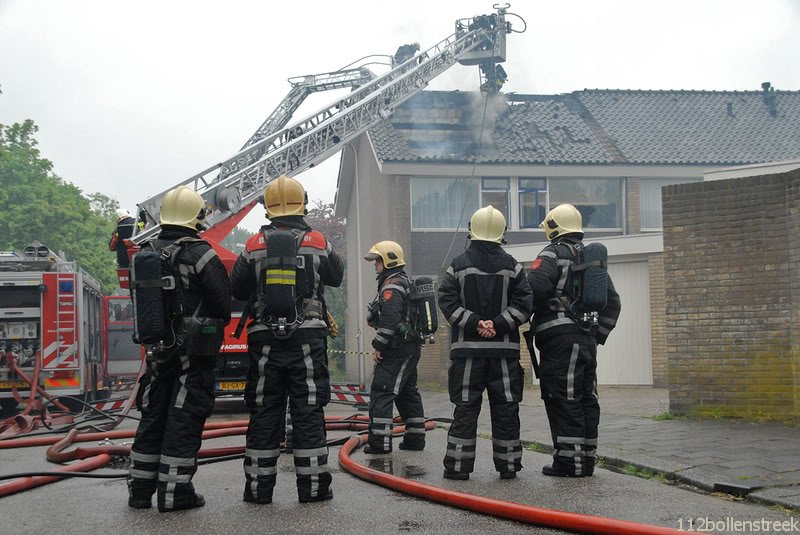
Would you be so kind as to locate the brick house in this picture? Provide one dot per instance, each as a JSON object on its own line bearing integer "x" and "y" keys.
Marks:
{"x": 414, "y": 178}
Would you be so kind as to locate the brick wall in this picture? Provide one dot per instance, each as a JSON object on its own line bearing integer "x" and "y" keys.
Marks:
{"x": 793, "y": 234}
{"x": 436, "y": 357}
{"x": 658, "y": 308}
{"x": 731, "y": 252}
{"x": 633, "y": 215}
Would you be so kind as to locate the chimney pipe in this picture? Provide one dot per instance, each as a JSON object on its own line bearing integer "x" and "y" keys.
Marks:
{"x": 768, "y": 96}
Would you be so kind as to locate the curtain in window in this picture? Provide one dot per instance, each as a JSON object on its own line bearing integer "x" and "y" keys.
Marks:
{"x": 650, "y": 203}
{"x": 650, "y": 200}
{"x": 599, "y": 200}
{"x": 440, "y": 202}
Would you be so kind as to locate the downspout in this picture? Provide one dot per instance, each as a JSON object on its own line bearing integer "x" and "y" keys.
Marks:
{"x": 359, "y": 290}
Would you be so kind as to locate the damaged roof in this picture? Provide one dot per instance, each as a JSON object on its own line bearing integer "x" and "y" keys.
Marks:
{"x": 594, "y": 126}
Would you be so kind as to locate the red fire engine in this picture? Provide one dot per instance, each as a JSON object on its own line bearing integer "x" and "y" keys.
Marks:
{"x": 50, "y": 323}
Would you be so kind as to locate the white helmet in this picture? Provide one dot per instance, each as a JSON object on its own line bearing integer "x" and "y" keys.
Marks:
{"x": 122, "y": 213}
{"x": 563, "y": 219}
{"x": 487, "y": 224}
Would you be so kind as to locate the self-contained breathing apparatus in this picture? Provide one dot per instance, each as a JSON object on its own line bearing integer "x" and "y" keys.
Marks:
{"x": 286, "y": 292}
{"x": 161, "y": 321}
{"x": 421, "y": 321}
{"x": 588, "y": 292}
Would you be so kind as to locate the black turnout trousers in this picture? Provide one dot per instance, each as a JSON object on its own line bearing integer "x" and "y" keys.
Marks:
{"x": 568, "y": 378}
{"x": 296, "y": 369}
{"x": 502, "y": 378}
{"x": 394, "y": 382}
{"x": 175, "y": 397}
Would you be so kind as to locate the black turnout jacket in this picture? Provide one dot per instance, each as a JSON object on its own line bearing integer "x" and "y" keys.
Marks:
{"x": 485, "y": 283}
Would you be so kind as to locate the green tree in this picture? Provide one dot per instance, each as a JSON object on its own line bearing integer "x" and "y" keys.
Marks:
{"x": 103, "y": 206}
{"x": 36, "y": 204}
{"x": 236, "y": 239}
{"x": 321, "y": 217}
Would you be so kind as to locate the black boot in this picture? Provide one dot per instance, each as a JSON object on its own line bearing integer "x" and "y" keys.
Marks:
{"x": 459, "y": 476}
{"x": 319, "y": 498}
{"x": 552, "y": 471}
{"x": 196, "y": 501}
{"x": 140, "y": 493}
{"x": 263, "y": 499}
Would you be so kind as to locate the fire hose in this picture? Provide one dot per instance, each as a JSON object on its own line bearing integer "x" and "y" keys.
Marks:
{"x": 90, "y": 458}
{"x": 489, "y": 506}
{"x": 24, "y": 424}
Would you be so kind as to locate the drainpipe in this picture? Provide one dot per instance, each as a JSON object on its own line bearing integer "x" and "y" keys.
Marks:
{"x": 360, "y": 293}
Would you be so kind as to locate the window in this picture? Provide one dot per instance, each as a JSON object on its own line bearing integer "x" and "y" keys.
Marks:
{"x": 20, "y": 297}
{"x": 599, "y": 200}
{"x": 532, "y": 201}
{"x": 494, "y": 191}
{"x": 121, "y": 345}
{"x": 443, "y": 202}
{"x": 650, "y": 201}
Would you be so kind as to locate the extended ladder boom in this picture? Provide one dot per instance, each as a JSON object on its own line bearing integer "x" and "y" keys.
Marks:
{"x": 237, "y": 182}
{"x": 302, "y": 87}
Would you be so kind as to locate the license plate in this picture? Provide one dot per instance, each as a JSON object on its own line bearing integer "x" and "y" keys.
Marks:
{"x": 230, "y": 385}
{"x": 11, "y": 384}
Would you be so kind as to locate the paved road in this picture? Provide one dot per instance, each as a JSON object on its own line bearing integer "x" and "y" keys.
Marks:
{"x": 81, "y": 505}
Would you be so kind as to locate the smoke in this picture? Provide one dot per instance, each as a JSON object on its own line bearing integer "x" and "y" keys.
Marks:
{"x": 484, "y": 110}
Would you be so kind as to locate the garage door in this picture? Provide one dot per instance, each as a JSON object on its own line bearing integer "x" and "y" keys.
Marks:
{"x": 626, "y": 358}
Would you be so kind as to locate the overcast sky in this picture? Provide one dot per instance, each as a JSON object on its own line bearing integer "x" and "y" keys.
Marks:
{"x": 133, "y": 97}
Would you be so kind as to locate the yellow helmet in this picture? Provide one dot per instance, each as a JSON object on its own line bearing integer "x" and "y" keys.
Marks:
{"x": 389, "y": 252}
{"x": 183, "y": 207}
{"x": 487, "y": 224}
{"x": 563, "y": 219}
{"x": 285, "y": 196}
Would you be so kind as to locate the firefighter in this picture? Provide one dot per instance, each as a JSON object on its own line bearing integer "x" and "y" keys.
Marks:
{"x": 291, "y": 365}
{"x": 124, "y": 230}
{"x": 485, "y": 297}
{"x": 176, "y": 393}
{"x": 397, "y": 353}
{"x": 568, "y": 346}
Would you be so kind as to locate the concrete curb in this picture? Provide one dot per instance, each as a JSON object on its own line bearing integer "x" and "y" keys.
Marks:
{"x": 704, "y": 480}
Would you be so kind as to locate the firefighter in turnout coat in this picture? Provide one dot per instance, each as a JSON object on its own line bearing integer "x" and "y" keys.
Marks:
{"x": 293, "y": 367}
{"x": 124, "y": 230}
{"x": 567, "y": 344}
{"x": 397, "y": 353}
{"x": 176, "y": 392}
{"x": 485, "y": 297}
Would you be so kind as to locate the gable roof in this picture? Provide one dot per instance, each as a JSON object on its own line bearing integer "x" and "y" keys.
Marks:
{"x": 594, "y": 126}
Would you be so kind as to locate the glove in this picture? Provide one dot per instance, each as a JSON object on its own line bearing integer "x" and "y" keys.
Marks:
{"x": 333, "y": 327}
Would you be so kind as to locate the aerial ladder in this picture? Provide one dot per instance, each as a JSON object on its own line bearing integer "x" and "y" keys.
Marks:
{"x": 302, "y": 87}
{"x": 232, "y": 187}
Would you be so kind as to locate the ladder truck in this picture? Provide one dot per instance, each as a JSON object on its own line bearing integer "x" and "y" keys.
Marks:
{"x": 232, "y": 187}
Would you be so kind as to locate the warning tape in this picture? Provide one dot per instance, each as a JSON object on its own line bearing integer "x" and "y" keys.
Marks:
{"x": 343, "y": 352}
{"x": 110, "y": 405}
